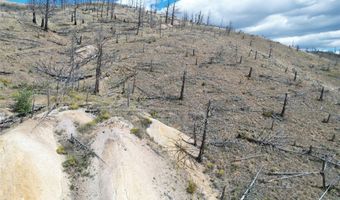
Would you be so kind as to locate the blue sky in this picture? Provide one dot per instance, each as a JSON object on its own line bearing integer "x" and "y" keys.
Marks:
{"x": 308, "y": 23}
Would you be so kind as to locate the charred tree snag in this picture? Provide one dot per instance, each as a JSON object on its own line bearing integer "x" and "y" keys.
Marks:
{"x": 250, "y": 73}
{"x": 181, "y": 97}
{"x": 321, "y": 95}
{"x": 201, "y": 152}
{"x": 323, "y": 175}
{"x": 295, "y": 75}
{"x": 284, "y": 106}
{"x": 326, "y": 120}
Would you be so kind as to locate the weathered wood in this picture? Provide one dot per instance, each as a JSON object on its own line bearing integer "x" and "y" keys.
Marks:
{"x": 251, "y": 184}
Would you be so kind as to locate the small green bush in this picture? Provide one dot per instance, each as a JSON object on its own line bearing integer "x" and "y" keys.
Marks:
{"x": 23, "y": 101}
{"x": 192, "y": 187}
{"x": 71, "y": 161}
{"x": 220, "y": 173}
{"x": 61, "y": 150}
{"x": 135, "y": 131}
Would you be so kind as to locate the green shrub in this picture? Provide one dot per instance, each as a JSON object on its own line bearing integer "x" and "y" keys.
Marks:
{"x": 23, "y": 101}
{"x": 71, "y": 161}
{"x": 61, "y": 150}
{"x": 192, "y": 187}
{"x": 220, "y": 173}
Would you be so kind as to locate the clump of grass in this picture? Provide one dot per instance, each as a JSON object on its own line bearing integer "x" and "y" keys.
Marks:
{"x": 104, "y": 115}
{"x": 75, "y": 96}
{"x": 87, "y": 127}
{"x": 5, "y": 82}
{"x": 146, "y": 122}
{"x": 73, "y": 106}
{"x": 192, "y": 187}
{"x": 153, "y": 114}
{"x": 220, "y": 173}
{"x": 71, "y": 161}
{"x": 23, "y": 101}
{"x": 61, "y": 150}
{"x": 210, "y": 165}
{"x": 137, "y": 132}
{"x": 268, "y": 113}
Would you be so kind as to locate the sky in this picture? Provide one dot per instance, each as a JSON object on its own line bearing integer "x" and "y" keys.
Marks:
{"x": 307, "y": 23}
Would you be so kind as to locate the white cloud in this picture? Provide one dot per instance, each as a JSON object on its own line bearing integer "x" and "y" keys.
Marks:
{"x": 303, "y": 20}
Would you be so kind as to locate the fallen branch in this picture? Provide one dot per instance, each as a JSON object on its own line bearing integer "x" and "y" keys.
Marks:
{"x": 293, "y": 176}
{"x": 5, "y": 73}
{"x": 251, "y": 184}
{"x": 247, "y": 158}
{"x": 334, "y": 181}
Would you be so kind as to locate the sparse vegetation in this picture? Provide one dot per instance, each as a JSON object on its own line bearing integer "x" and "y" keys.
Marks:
{"x": 192, "y": 187}
{"x": 61, "y": 150}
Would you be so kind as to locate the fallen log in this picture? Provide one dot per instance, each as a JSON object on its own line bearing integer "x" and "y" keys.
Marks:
{"x": 5, "y": 73}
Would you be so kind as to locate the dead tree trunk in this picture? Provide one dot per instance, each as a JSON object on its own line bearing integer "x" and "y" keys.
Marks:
{"x": 173, "y": 13}
{"x": 284, "y": 106}
{"x": 324, "y": 165}
{"x": 99, "y": 64}
{"x": 321, "y": 95}
{"x": 181, "y": 97}
{"x": 295, "y": 75}
{"x": 47, "y": 12}
{"x": 200, "y": 155}
{"x": 167, "y": 12}
{"x": 250, "y": 72}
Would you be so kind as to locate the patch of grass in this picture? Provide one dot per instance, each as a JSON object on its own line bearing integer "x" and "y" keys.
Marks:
{"x": 73, "y": 106}
{"x": 192, "y": 187}
{"x": 153, "y": 114}
{"x": 137, "y": 132}
{"x": 220, "y": 173}
{"x": 146, "y": 122}
{"x": 71, "y": 161}
{"x": 76, "y": 96}
{"x": 104, "y": 115}
{"x": 210, "y": 165}
{"x": 5, "y": 82}
{"x": 87, "y": 127}
{"x": 61, "y": 150}
{"x": 268, "y": 113}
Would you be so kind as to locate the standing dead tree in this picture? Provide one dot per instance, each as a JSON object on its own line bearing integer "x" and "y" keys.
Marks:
{"x": 167, "y": 12}
{"x": 284, "y": 105}
{"x": 321, "y": 95}
{"x": 99, "y": 44}
{"x": 202, "y": 147}
{"x": 33, "y": 6}
{"x": 140, "y": 17}
{"x": 173, "y": 13}
{"x": 181, "y": 96}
